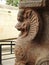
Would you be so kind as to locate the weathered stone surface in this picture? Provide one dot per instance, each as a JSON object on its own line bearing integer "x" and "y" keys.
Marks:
{"x": 32, "y": 3}
{"x": 32, "y": 46}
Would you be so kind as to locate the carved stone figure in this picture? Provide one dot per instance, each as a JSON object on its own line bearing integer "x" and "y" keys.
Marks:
{"x": 32, "y": 45}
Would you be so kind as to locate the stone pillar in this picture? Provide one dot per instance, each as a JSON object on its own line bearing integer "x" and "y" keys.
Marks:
{"x": 32, "y": 45}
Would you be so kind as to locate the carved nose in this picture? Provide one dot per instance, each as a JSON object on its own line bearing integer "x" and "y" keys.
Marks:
{"x": 18, "y": 26}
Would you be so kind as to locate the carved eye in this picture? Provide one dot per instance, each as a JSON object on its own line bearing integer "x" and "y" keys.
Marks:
{"x": 24, "y": 24}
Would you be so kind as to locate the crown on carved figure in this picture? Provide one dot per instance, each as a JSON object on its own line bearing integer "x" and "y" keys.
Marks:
{"x": 32, "y": 3}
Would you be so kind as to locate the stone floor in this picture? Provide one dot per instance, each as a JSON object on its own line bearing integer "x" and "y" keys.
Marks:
{"x": 8, "y": 62}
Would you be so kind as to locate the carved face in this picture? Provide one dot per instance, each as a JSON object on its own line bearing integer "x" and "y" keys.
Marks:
{"x": 28, "y": 23}
{"x": 23, "y": 21}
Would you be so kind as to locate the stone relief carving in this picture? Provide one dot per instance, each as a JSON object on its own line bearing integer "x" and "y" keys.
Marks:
{"x": 32, "y": 45}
